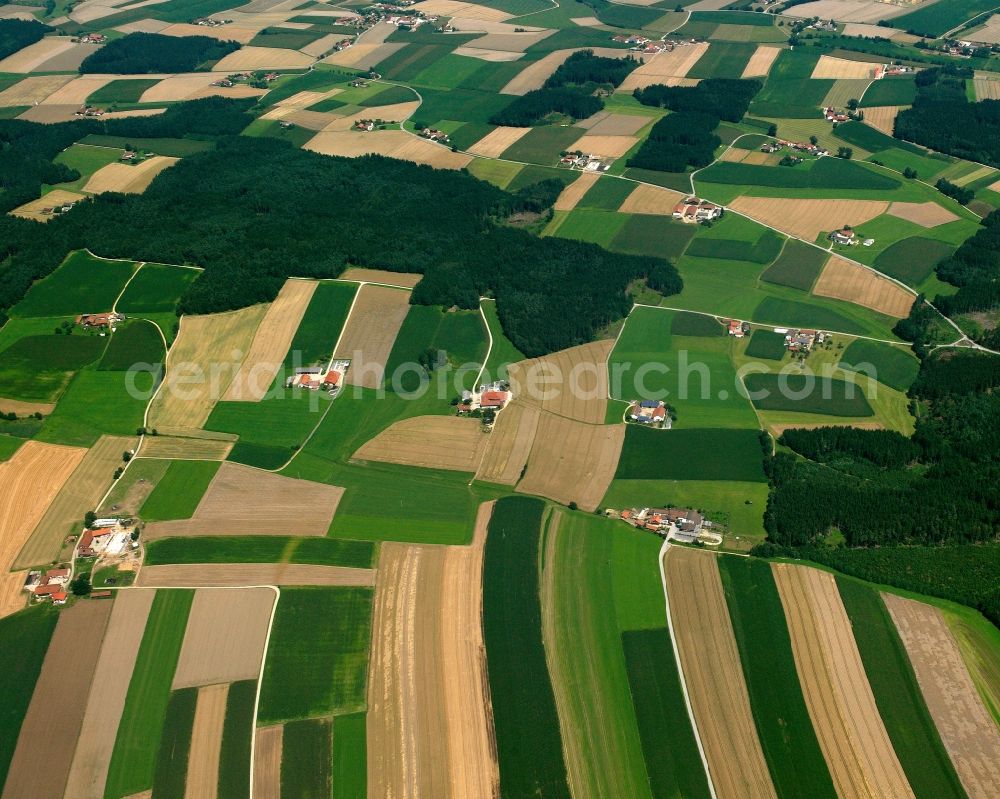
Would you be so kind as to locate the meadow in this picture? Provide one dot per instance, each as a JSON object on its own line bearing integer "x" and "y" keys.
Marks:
{"x": 81, "y": 284}
{"x": 826, "y": 174}
{"x": 121, "y": 91}
{"x": 170, "y": 774}
{"x": 814, "y": 313}
{"x": 694, "y": 454}
{"x": 912, "y": 260}
{"x": 85, "y": 160}
{"x": 133, "y": 343}
{"x": 652, "y": 235}
{"x": 261, "y": 549}
{"x": 178, "y": 492}
{"x": 234, "y": 755}
{"x": 176, "y": 148}
{"x": 321, "y": 324}
{"x": 38, "y": 368}
{"x": 594, "y": 226}
{"x": 939, "y": 18}
{"x": 157, "y": 288}
{"x": 306, "y": 757}
{"x": 798, "y": 266}
{"x": 350, "y": 757}
{"x": 607, "y": 194}
{"x": 766, "y": 344}
{"x": 890, "y": 91}
{"x": 542, "y": 145}
{"x": 723, "y": 60}
{"x": 317, "y": 658}
{"x": 830, "y": 397}
{"x": 762, "y": 251}
{"x": 894, "y": 366}
{"x": 502, "y": 352}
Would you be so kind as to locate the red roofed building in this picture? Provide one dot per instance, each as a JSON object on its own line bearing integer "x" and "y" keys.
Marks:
{"x": 48, "y": 589}
{"x": 332, "y": 378}
{"x": 494, "y": 399}
{"x": 59, "y": 598}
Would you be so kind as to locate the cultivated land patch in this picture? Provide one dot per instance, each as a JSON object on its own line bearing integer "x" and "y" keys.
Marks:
{"x": 32, "y": 90}
{"x": 392, "y": 143}
{"x": 127, "y": 178}
{"x": 371, "y": 330}
{"x": 572, "y": 461}
{"x": 494, "y": 143}
{"x": 245, "y": 501}
{"x": 250, "y": 58}
{"x": 844, "y": 280}
{"x": 79, "y": 494}
{"x": 806, "y": 219}
{"x": 271, "y": 341}
{"x": 927, "y": 214}
{"x": 648, "y": 199}
{"x": 182, "y": 448}
{"x": 570, "y": 196}
{"x": 206, "y": 741}
{"x": 435, "y": 442}
{"x": 760, "y": 62}
{"x": 838, "y": 68}
{"x": 668, "y": 68}
{"x": 204, "y": 347}
{"x": 240, "y": 574}
{"x": 83, "y": 283}
{"x": 883, "y": 117}
{"x": 714, "y": 675}
{"x": 509, "y": 444}
{"x": 967, "y": 730}
{"x": 267, "y": 760}
{"x": 841, "y": 705}
{"x": 606, "y": 146}
{"x": 404, "y": 279}
{"x": 225, "y": 636}
{"x": 35, "y": 209}
{"x": 572, "y": 382}
{"x": 536, "y": 73}
{"x": 44, "y": 753}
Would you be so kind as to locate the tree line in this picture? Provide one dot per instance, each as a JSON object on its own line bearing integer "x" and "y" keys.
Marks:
{"x": 725, "y": 98}
{"x": 142, "y": 53}
{"x": 16, "y": 34}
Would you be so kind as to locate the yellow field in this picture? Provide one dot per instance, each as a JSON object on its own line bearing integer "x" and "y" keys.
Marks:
{"x": 573, "y": 193}
{"x": 250, "y": 58}
{"x": 434, "y": 442}
{"x": 852, "y": 282}
{"x": 509, "y": 444}
{"x": 836, "y": 68}
{"x": 127, "y": 178}
{"x": 494, "y": 143}
{"x": 883, "y": 117}
{"x": 648, "y": 199}
{"x": 605, "y": 146}
{"x": 56, "y": 197}
{"x": 928, "y": 214}
{"x": 667, "y": 68}
{"x": 32, "y": 90}
{"x": 760, "y": 62}
{"x": 806, "y": 219}
{"x": 571, "y": 383}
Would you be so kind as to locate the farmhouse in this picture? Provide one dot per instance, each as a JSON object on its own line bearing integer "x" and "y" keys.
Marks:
{"x": 692, "y": 209}
{"x": 685, "y": 525}
{"x": 650, "y": 412}
{"x": 433, "y": 134}
{"x": 105, "y": 536}
{"x": 802, "y": 340}
{"x": 313, "y": 378}
{"x": 844, "y": 236}
{"x": 630, "y": 38}
{"x": 833, "y": 115}
{"x": 49, "y": 586}
{"x": 738, "y": 329}
{"x": 92, "y": 38}
{"x": 99, "y": 320}
{"x": 88, "y": 111}
{"x": 210, "y": 22}
{"x": 492, "y": 397}
{"x": 366, "y": 125}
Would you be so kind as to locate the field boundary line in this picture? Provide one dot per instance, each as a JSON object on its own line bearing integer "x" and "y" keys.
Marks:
{"x": 489, "y": 350}
{"x": 138, "y": 269}
{"x": 260, "y": 681}
{"x": 680, "y": 671}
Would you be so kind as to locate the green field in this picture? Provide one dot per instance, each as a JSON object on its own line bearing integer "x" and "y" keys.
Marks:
{"x": 596, "y": 227}
{"x": 529, "y": 744}
{"x": 807, "y": 394}
{"x": 134, "y": 344}
{"x": 786, "y": 733}
{"x": 762, "y": 251}
{"x": 260, "y": 549}
{"x": 234, "y": 756}
{"x": 939, "y": 18}
{"x": 39, "y": 367}
{"x": 793, "y": 313}
{"x": 157, "y": 288}
{"x": 82, "y": 284}
{"x": 824, "y": 174}
{"x": 607, "y": 194}
{"x": 133, "y": 762}
{"x": 798, "y": 266}
{"x": 652, "y": 235}
{"x": 177, "y": 494}
{"x": 350, "y": 757}
{"x": 24, "y": 640}
{"x": 121, "y": 91}
{"x": 912, "y": 260}
{"x": 177, "y": 148}
{"x": 85, "y": 160}
{"x": 502, "y": 351}
{"x": 723, "y": 60}
{"x": 499, "y": 173}
{"x": 766, "y": 344}
{"x": 170, "y": 775}
{"x": 317, "y": 659}
{"x": 447, "y": 72}
{"x": 321, "y": 324}
{"x": 8, "y": 446}
{"x": 897, "y": 694}
{"x": 894, "y": 366}
{"x": 697, "y": 325}
{"x": 890, "y": 91}
{"x": 694, "y": 454}
{"x": 542, "y": 145}
{"x": 306, "y": 758}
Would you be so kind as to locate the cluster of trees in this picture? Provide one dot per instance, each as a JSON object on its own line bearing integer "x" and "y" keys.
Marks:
{"x": 678, "y": 141}
{"x": 943, "y": 119}
{"x": 725, "y": 98}
{"x": 958, "y": 193}
{"x": 885, "y": 448}
{"x": 16, "y": 34}
{"x": 570, "y": 90}
{"x": 975, "y": 269}
{"x": 140, "y": 53}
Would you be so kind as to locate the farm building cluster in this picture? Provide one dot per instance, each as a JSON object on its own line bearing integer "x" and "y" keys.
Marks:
{"x": 48, "y": 587}
{"x": 588, "y": 162}
{"x": 692, "y": 209}
{"x": 100, "y": 321}
{"x": 849, "y": 238}
{"x": 684, "y": 525}
{"x": 492, "y": 397}
{"x": 642, "y": 44}
{"x": 313, "y": 378}
{"x": 738, "y": 328}
{"x": 106, "y": 537}
{"x": 778, "y": 144}
{"x": 801, "y": 340}
{"x": 653, "y": 413}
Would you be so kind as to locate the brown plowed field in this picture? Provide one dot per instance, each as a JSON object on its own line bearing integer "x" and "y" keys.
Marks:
{"x": 435, "y": 442}
{"x": 267, "y": 762}
{"x": 44, "y": 753}
{"x": 651, "y": 200}
{"x": 848, "y": 281}
{"x": 851, "y": 734}
{"x": 204, "y": 575}
{"x": 664, "y": 68}
{"x": 573, "y": 193}
{"x": 80, "y": 493}
{"x": 370, "y": 333}
{"x": 126, "y": 178}
{"x": 190, "y": 449}
{"x": 571, "y": 382}
{"x": 404, "y": 279}
{"x": 225, "y": 636}
{"x": 510, "y": 444}
{"x": 271, "y": 341}
{"x": 201, "y": 365}
{"x": 883, "y": 117}
{"x": 967, "y": 730}
{"x": 497, "y": 141}
{"x": 572, "y": 461}
{"x": 246, "y": 501}
{"x": 250, "y": 58}
{"x": 206, "y": 742}
{"x": 760, "y": 62}
{"x": 106, "y": 698}
{"x": 31, "y": 479}
{"x": 714, "y": 676}
{"x": 605, "y": 146}
{"x": 926, "y": 214}
{"x": 806, "y": 219}
{"x": 616, "y": 124}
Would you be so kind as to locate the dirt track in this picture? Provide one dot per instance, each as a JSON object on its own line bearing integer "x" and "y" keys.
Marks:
{"x": 225, "y": 636}
{"x": 435, "y": 442}
{"x": 237, "y": 574}
{"x": 267, "y": 762}
{"x": 851, "y": 734}
{"x": 571, "y": 383}
{"x": 714, "y": 676}
{"x": 206, "y": 742}
{"x": 848, "y": 281}
{"x": 510, "y": 444}
{"x": 370, "y": 333}
{"x": 967, "y": 730}
{"x": 106, "y": 699}
{"x": 44, "y": 753}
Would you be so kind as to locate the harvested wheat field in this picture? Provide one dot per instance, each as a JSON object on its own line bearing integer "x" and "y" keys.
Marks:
{"x": 391, "y": 143}
{"x": 143, "y": 26}
{"x": 396, "y": 112}
{"x": 363, "y": 54}
{"x": 496, "y": 142}
{"x": 49, "y": 114}
{"x": 188, "y": 449}
{"x": 653, "y": 200}
{"x": 830, "y": 66}
{"x": 81, "y": 492}
{"x": 571, "y": 382}
{"x": 236, "y": 33}
{"x": 844, "y": 90}
{"x": 536, "y": 73}
{"x": 77, "y": 90}
{"x": 267, "y": 762}
{"x": 225, "y": 636}
{"x": 573, "y": 193}
{"x": 245, "y": 501}
{"x": 509, "y": 444}
{"x": 987, "y": 88}
{"x": 179, "y": 87}
{"x": 22, "y": 408}
{"x": 36, "y": 209}
{"x": 421, "y": 151}
{"x": 572, "y": 461}
{"x": 761, "y": 61}
{"x": 127, "y": 178}
{"x": 493, "y": 56}
{"x": 928, "y": 214}
{"x": 206, "y": 742}
{"x": 34, "y": 55}
{"x": 106, "y": 697}
{"x": 224, "y": 575}
{"x": 403, "y": 279}
{"x": 618, "y": 125}
{"x": 251, "y": 58}
{"x": 370, "y": 332}
{"x": 310, "y": 120}
{"x": 453, "y": 8}
{"x": 663, "y": 67}
{"x": 434, "y": 442}
{"x": 850, "y": 731}
{"x": 844, "y": 280}
{"x": 967, "y": 730}
{"x": 210, "y": 348}
{"x": 31, "y": 479}
{"x": 883, "y": 117}
{"x": 806, "y": 219}
{"x": 33, "y": 90}
{"x": 871, "y": 11}
{"x": 44, "y": 753}
{"x": 606, "y": 146}
{"x": 505, "y": 39}
{"x": 271, "y": 341}
{"x": 322, "y": 45}
{"x": 714, "y": 677}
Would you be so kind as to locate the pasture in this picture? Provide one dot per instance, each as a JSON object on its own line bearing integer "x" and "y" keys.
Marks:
{"x": 766, "y": 344}
{"x": 805, "y": 394}
{"x": 261, "y": 549}
{"x": 178, "y": 492}
{"x": 134, "y": 344}
{"x": 156, "y": 288}
{"x": 81, "y": 284}
{"x": 38, "y": 368}
{"x": 652, "y": 235}
{"x": 895, "y": 366}
{"x": 798, "y": 266}
{"x": 691, "y": 454}
{"x": 912, "y": 260}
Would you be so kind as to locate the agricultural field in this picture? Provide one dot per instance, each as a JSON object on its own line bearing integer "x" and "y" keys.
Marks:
{"x": 82, "y": 284}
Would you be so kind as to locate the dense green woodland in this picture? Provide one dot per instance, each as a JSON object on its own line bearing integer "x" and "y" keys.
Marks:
{"x": 726, "y": 98}
{"x": 16, "y": 34}
{"x": 142, "y": 53}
